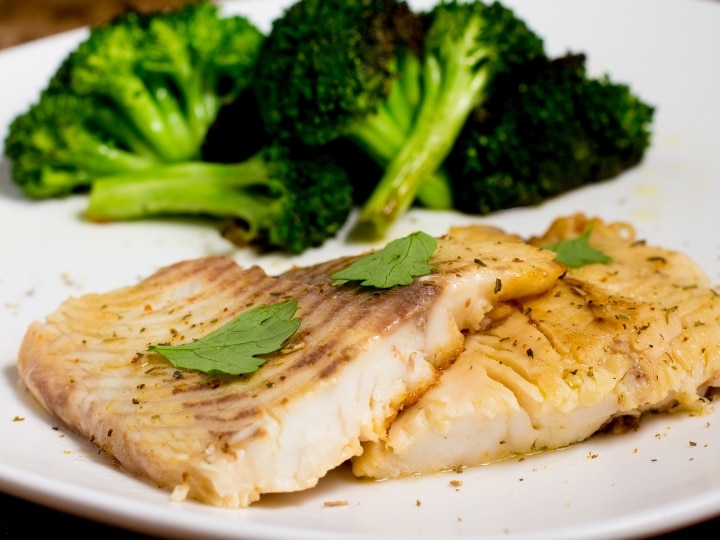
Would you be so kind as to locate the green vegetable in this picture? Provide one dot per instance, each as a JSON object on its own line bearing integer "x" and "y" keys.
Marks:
{"x": 466, "y": 47}
{"x": 281, "y": 198}
{"x": 398, "y": 84}
{"x": 547, "y": 128}
{"x": 398, "y": 263}
{"x": 236, "y": 348}
{"x": 578, "y": 252}
{"x": 327, "y": 70}
{"x": 142, "y": 89}
{"x": 455, "y": 107}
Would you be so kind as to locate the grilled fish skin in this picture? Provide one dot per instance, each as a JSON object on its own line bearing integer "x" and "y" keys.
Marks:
{"x": 477, "y": 266}
{"x": 607, "y": 341}
{"x": 359, "y": 356}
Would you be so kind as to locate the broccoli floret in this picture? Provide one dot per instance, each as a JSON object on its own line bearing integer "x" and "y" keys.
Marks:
{"x": 146, "y": 84}
{"x": 398, "y": 83}
{"x": 59, "y": 146}
{"x": 549, "y": 128}
{"x": 466, "y": 47}
{"x": 281, "y": 198}
{"x": 334, "y": 70}
{"x": 328, "y": 67}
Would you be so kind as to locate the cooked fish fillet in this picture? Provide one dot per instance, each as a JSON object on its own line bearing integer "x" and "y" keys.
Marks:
{"x": 358, "y": 358}
{"x": 609, "y": 340}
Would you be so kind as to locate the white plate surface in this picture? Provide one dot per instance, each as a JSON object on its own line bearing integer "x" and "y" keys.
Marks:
{"x": 665, "y": 475}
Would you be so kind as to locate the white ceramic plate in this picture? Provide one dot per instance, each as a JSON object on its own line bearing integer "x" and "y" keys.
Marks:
{"x": 663, "y": 476}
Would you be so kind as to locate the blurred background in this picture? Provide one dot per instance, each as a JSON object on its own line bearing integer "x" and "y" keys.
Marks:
{"x": 25, "y": 20}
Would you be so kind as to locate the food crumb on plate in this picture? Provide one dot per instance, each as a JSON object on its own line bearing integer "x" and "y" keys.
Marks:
{"x": 336, "y": 503}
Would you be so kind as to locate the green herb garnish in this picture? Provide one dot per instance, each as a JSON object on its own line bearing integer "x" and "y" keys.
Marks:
{"x": 398, "y": 263}
{"x": 578, "y": 251}
{"x": 234, "y": 348}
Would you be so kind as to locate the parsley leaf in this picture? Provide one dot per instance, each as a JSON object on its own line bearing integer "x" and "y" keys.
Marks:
{"x": 578, "y": 251}
{"x": 398, "y": 263}
{"x": 233, "y": 349}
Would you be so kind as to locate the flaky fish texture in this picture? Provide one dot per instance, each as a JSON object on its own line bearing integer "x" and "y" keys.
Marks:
{"x": 606, "y": 343}
{"x": 359, "y": 356}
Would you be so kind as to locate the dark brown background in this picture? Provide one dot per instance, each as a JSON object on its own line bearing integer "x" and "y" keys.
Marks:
{"x": 26, "y": 20}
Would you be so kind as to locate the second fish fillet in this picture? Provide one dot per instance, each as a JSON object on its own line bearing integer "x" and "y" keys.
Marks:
{"x": 607, "y": 342}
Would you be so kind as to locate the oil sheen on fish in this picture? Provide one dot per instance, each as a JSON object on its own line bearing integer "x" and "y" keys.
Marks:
{"x": 359, "y": 356}
{"x": 607, "y": 342}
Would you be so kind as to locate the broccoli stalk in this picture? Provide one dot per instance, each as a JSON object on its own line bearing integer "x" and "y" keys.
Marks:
{"x": 277, "y": 199}
{"x": 140, "y": 90}
{"x": 467, "y": 46}
{"x": 550, "y": 128}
